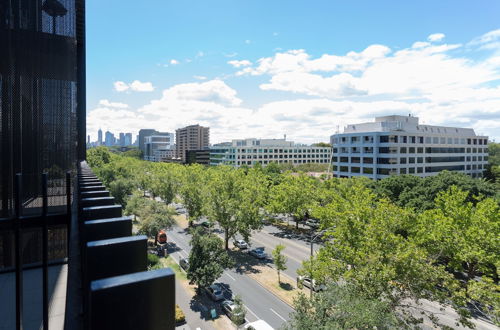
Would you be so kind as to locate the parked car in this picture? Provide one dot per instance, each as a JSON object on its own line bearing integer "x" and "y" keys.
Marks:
{"x": 241, "y": 244}
{"x": 215, "y": 292}
{"x": 311, "y": 284}
{"x": 258, "y": 253}
{"x": 205, "y": 224}
{"x": 313, "y": 223}
{"x": 184, "y": 263}
{"x": 228, "y": 307}
{"x": 258, "y": 325}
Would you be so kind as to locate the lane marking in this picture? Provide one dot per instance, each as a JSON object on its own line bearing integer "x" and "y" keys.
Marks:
{"x": 251, "y": 312}
{"x": 281, "y": 317}
{"x": 230, "y": 277}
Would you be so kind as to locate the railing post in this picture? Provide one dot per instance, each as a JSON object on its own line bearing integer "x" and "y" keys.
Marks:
{"x": 68, "y": 208}
{"x": 18, "y": 252}
{"x": 45, "y": 253}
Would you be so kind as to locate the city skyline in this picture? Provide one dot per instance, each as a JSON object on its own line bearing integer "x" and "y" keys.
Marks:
{"x": 302, "y": 80}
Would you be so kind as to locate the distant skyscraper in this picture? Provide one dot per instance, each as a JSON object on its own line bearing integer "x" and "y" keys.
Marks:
{"x": 121, "y": 139}
{"x": 99, "y": 137}
{"x": 88, "y": 139}
{"x": 128, "y": 139}
{"x": 109, "y": 139}
{"x": 191, "y": 138}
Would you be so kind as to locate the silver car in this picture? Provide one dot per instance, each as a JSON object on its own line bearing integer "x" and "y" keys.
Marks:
{"x": 215, "y": 292}
{"x": 241, "y": 244}
{"x": 258, "y": 253}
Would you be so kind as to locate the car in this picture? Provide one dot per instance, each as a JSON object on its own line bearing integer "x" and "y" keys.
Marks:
{"x": 228, "y": 306}
{"x": 215, "y": 292}
{"x": 241, "y": 244}
{"x": 311, "y": 284}
{"x": 313, "y": 223}
{"x": 258, "y": 253}
{"x": 184, "y": 263}
{"x": 205, "y": 224}
{"x": 258, "y": 325}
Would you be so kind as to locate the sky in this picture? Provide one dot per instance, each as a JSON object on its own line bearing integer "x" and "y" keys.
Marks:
{"x": 304, "y": 69}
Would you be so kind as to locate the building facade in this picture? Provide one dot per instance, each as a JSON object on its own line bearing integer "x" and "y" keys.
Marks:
{"x": 393, "y": 145}
{"x": 159, "y": 147}
{"x": 264, "y": 151}
{"x": 192, "y": 137}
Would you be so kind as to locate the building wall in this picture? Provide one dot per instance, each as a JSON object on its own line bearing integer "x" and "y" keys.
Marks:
{"x": 397, "y": 146}
{"x": 191, "y": 138}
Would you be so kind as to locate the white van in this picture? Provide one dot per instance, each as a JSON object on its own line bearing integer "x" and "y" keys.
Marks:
{"x": 258, "y": 325}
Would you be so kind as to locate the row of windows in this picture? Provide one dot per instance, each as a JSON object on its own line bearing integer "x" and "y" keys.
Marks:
{"x": 410, "y": 170}
{"x": 410, "y": 150}
{"x": 281, "y": 156}
{"x": 266, "y": 162}
{"x": 281, "y": 150}
{"x": 410, "y": 139}
{"x": 410, "y": 160}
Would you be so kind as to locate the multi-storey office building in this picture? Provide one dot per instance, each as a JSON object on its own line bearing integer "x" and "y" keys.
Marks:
{"x": 395, "y": 145}
{"x": 159, "y": 147}
{"x": 192, "y": 137}
{"x": 264, "y": 151}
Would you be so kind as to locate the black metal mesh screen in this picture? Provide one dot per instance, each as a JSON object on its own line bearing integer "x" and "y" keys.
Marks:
{"x": 40, "y": 87}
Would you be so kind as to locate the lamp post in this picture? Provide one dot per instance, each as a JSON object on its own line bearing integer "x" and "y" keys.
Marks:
{"x": 312, "y": 253}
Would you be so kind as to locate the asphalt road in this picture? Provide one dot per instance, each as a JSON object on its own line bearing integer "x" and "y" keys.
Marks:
{"x": 260, "y": 303}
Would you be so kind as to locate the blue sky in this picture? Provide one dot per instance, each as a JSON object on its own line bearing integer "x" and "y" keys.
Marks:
{"x": 301, "y": 68}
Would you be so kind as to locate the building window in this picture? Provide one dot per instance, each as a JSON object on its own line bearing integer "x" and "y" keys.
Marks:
{"x": 384, "y": 139}
{"x": 411, "y": 170}
{"x": 368, "y": 150}
{"x": 387, "y": 160}
{"x": 411, "y": 150}
{"x": 420, "y": 150}
{"x": 388, "y": 150}
{"x": 344, "y": 159}
{"x": 411, "y": 160}
{"x": 442, "y": 140}
{"x": 402, "y": 171}
{"x": 393, "y": 138}
{"x": 402, "y": 160}
{"x": 420, "y": 160}
{"x": 367, "y": 170}
{"x": 413, "y": 139}
{"x": 367, "y": 160}
{"x": 355, "y": 150}
{"x": 355, "y": 169}
{"x": 355, "y": 139}
{"x": 420, "y": 170}
{"x": 356, "y": 160}
{"x": 368, "y": 139}
{"x": 420, "y": 139}
{"x": 428, "y": 139}
{"x": 404, "y": 139}
{"x": 402, "y": 150}
{"x": 344, "y": 169}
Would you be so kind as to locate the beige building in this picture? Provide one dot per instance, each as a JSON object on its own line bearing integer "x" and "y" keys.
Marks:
{"x": 191, "y": 137}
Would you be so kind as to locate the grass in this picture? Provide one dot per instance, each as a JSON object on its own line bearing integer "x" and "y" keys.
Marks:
{"x": 181, "y": 221}
{"x": 179, "y": 273}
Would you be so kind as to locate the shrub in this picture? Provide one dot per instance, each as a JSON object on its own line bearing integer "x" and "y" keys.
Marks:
{"x": 179, "y": 315}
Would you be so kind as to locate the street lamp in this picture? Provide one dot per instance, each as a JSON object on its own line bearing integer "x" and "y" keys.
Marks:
{"x": 312, "y": 253}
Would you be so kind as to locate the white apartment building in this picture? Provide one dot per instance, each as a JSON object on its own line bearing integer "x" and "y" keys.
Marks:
{"x": 264, "y": 151}
{"x": 159, "y": 147}
{"x": 394, "y": 145}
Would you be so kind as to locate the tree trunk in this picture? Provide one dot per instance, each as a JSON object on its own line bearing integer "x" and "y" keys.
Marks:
{"x": 226, "y": 239}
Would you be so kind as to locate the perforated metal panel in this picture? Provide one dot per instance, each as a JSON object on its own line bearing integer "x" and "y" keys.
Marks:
{"x": 42, "y": 94}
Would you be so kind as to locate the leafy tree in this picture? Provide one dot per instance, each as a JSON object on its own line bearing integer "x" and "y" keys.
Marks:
{"x": 135, "y": 204}
{"x": 133, "y": 153}
{"x": 191, "y": 191}
{"x": 153, "y": 217}
{"x": 120, "y": 189}
{"x": 294, "y": 196}
{"x": 234, "y": 200}
{"x": 239, "y": 312}
{"x": 207, "y": 258}
{"x": 368, "y": 246}
{"x": 322, "y": 145}
{"x": 466, "y": 238}
{"x": 165, "y": 182}
{"x": 341, "y": 307}
{"x": 97, "y": 157}
{"x": 279, "y": 259}
{"x": 494, "y": 153}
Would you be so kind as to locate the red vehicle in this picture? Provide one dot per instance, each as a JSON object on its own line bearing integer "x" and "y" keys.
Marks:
{"x": 161, "y": 238}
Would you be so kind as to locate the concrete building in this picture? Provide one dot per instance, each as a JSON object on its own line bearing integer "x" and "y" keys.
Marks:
{"x": 159, "y": 147}
{"x": 99, "y": 137}
{"x": 109, "y": 139}
{"x": 192, "y": 137}
{"x": 128, "y": 139}
{"x": 251, "y": 151}
{"x": 393, "y": 145}
{"x": 142, "y": 135}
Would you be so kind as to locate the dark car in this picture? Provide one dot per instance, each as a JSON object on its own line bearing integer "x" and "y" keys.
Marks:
{"x": 184, "y": 263}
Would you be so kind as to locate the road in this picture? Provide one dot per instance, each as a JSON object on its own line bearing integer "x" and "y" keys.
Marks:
{"x": 260, "y": 303}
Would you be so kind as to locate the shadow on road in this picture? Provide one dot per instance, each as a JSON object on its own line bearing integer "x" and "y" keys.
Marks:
{"x": 245, "y": 263}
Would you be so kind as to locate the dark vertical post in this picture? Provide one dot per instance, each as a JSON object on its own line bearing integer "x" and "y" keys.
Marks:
{"x": 18, "y": 253}
{"x": 68, "y": 208}
{"x": 45, "y": 253}
{"x": 81, "y": 80}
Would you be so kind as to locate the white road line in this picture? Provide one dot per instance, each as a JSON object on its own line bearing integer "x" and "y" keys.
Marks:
{"x": 230, "y": 277}
{"x": 252, "y": 312}
{"x": 281, "y": 317}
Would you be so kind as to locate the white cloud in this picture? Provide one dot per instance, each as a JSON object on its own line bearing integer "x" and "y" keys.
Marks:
{"x": 239, "y": 64}
{"x": 120, "y": 86}
{"x": 200, "y": 77}
{"x": 436, "y": 37}
{"x": 174, "y": 62}
{"x": 489, "y": 40}
{"x": 135, "y": 85}
{"x": 107, "y": 103}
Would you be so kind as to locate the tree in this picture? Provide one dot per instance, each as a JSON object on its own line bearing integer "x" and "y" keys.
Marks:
{"x": 294, "y": 196}
{"x": 191, "y": 191}
{"x": 239, "y": 312}
{"x": 234, "y": 200}
{"x": 340, "y": 307}
{"x": 465, "y": 237}
{"x": 97, "y": 157}
{"x": 154, "y": 216}
{"x": 368, "y": 246}
{"x": 120, "y": 189}
{"x": 165, "y": 182}
{"x": 322, "y": 145}
{"x": 207, "y": 258}
{"x": 279, "y": 259}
